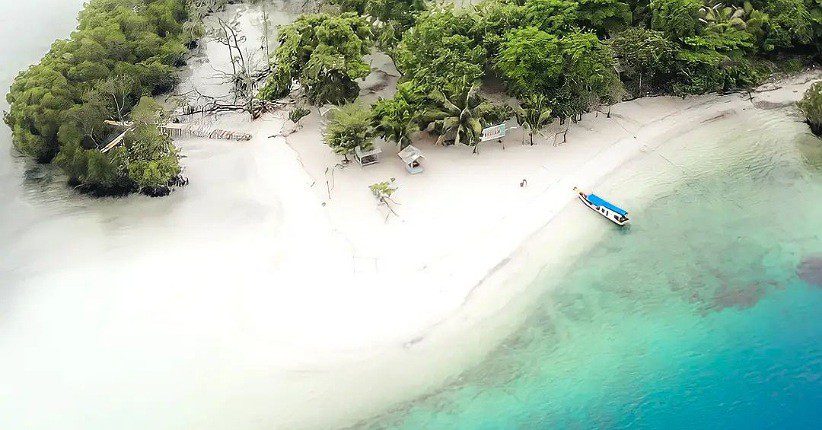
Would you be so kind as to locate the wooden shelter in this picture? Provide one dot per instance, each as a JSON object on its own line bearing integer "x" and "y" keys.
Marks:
{"x": 410, "y": 156}
{"x": 367, "y": 157}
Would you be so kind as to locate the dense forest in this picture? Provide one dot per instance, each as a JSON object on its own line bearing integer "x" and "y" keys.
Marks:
{"x": 121, "y": 51}
{"x": 559, "y": 58}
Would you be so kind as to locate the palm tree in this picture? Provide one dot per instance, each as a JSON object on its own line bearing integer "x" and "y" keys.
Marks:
{"x": 535, "y": 113}
{"x": 395, "y": 130}
{"x": 348, "y": 128}
{"x": 716, "y": 13}
{"x": 457, "y": 118}
{"x": 394, "y": 119}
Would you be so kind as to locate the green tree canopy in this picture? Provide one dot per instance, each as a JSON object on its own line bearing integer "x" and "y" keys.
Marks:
{"x": 678, "y": 19}
{"x": 811, "y": 106}
{"x": 325, "y": 54}
{"x": 493, "y": 20}
{"x": 576, "y": 72}
{"x": 348, "y": 128}
{"x": 153, "y": 160}
{"x": 456, "y": 119}
{"x": 438, "y": 53}
{"x": 402, "y": 12}
{"x": 552, "y": 16}
{"x": 121, "y": 48}
{"x": 604, "y": 16}
{"x": 531, "y": 61}
{"x": 394, "y": 118}
{"x": 589, "y": 76}
{"x": 646, "y": 57}
{"x": 789, "y": 24}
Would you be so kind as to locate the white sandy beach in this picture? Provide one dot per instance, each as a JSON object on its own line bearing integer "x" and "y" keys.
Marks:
{"x": 295, "y": 301}
{"x": 435, "y": 288}
{"x": 405, "y": 302}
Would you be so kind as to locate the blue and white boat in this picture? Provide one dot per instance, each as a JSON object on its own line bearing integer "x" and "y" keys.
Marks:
{"x": 614, "y": 213}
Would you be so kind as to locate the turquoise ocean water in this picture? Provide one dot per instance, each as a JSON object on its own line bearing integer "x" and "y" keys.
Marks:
{"x": 707, "y": 313}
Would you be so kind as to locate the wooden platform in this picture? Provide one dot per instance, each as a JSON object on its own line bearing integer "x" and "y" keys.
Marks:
{"x": 177, "y": 130}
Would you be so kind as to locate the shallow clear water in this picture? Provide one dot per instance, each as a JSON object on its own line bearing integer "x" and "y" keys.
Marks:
{"x": 705, "y": 314}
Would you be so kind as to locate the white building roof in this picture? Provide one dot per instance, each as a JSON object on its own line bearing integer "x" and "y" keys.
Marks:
{"x": 410, "y": 154}
{"x": 374, "y": 151}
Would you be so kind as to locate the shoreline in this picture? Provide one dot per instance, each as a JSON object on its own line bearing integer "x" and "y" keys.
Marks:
{"x": 260, "y": 321}
{"x": 498, "y": 268}
{"x": 553, "y": 196}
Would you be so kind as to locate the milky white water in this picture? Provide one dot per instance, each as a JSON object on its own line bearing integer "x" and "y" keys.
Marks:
{"x": 117, "y": 294}
{"x": 177, "y": 312}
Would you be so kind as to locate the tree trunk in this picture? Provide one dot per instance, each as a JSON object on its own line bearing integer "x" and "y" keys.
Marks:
{"x": 640, "y": 84}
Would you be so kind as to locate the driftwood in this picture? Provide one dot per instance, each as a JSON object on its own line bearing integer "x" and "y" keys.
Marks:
{"x": 258, "y": 108}
{"x": 204, "y": 104}
{"x": 329, "y": 183}
{"x": 117, "y": 140}
{"x": 245, "y": 76}
{"x": 564, "y": 137}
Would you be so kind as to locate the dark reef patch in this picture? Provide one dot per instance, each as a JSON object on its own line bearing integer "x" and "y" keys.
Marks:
{"x": 739, "y": 297}
{"x": 810, "y": 270}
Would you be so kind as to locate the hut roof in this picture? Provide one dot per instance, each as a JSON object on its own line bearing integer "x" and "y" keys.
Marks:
{"x": 363, "y": 153}
{"x": 410, "y": 154}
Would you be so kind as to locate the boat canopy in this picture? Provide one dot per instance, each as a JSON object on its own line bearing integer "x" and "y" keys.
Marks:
{"x": 599, "y": 201}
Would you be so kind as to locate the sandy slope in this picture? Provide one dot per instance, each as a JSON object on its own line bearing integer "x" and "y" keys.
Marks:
{"x": 369, "y": 308}
{"x": 393, "y": 308}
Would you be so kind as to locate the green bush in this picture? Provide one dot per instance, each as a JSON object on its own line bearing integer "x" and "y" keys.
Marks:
{"x": 298, "y": 113}
{"x": 712, "y": 64}
{"x": 497, "y": 114}
{"x": 394, "y": 119}
{"x": 153, "y": 160}
{"x": 348, "y": 128}
{"x": 811, "y": 106}
{"x": 678, "y": 19}
{"x": 277, "y": 85}
{"x": 95, "y": 172}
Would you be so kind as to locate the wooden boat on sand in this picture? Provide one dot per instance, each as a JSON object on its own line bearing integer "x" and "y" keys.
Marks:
{"x": 614, "y": 213}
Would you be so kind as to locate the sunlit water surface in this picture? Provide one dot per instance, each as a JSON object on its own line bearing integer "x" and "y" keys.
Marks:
{"x": 704, "y": 314}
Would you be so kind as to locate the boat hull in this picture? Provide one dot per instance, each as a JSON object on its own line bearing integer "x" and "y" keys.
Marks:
{"x": 605, "y": 212}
